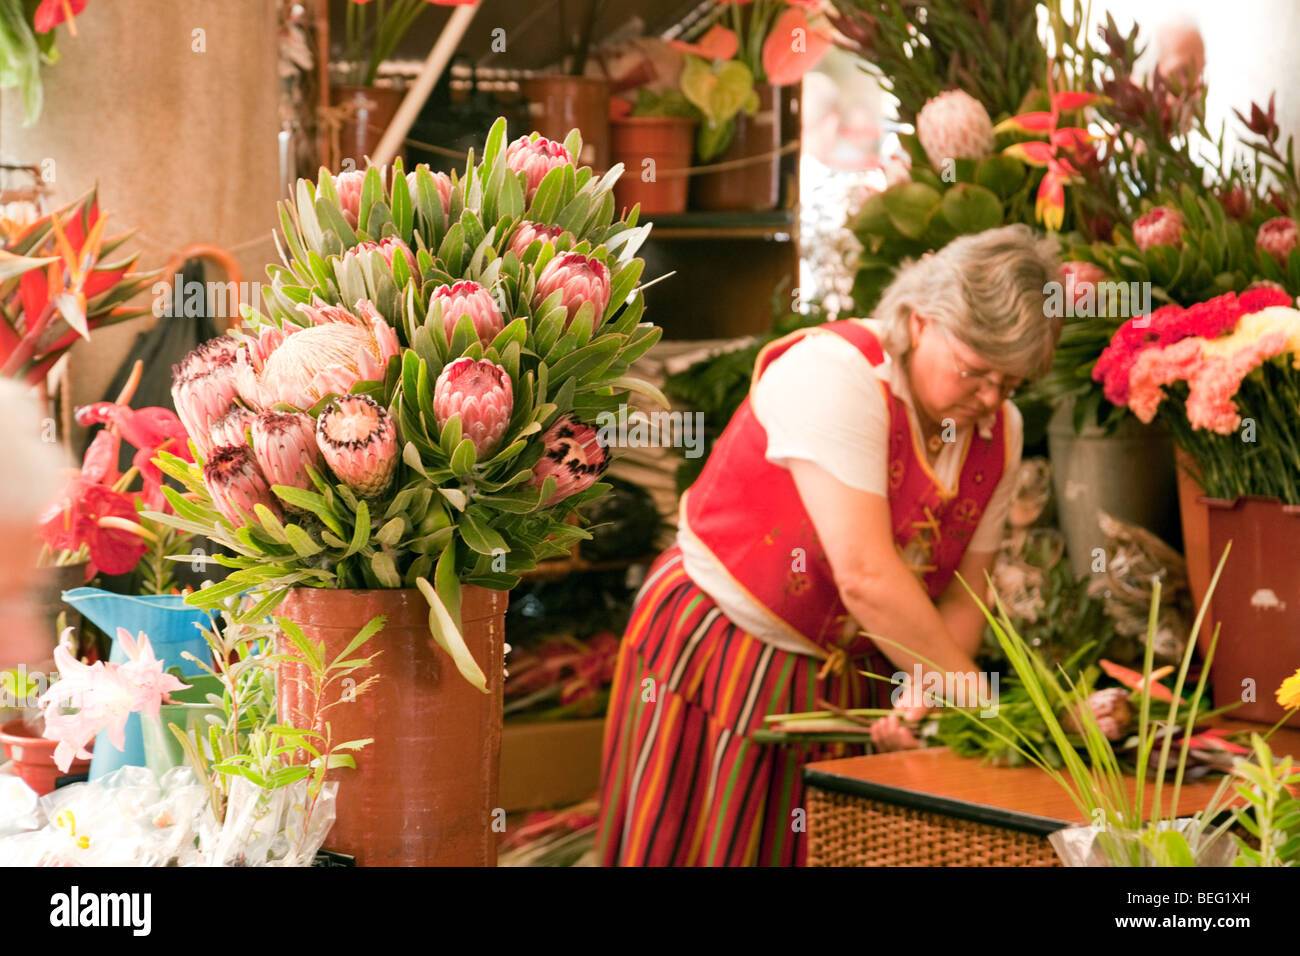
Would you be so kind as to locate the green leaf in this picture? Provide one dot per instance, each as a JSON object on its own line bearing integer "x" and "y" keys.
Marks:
{"x": 302, "y": 542}
{"x": 361, "y": 533}
{"x": 312, "y": 502}
{"x": 910, "y": 206}
{"x": 462, "y": 459}
{"x": 385, "y": 569}
{"x": 449, "y": 638}
{"x": 477, "y": 532}
{"x": 971, "y": 208}
{"x": 447, "y": 583}
{"x": 1001, "y": 174}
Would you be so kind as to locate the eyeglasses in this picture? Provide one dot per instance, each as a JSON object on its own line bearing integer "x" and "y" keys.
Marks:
{"x": 981, "y": 379}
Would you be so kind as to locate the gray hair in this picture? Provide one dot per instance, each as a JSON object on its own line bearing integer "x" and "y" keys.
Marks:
{"x": 990, "y": 290}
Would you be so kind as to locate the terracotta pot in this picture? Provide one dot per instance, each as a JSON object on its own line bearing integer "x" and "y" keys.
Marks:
{"x": 1195, "y": 518}
{"x": 33, "y": 758}
{"x": 669, "y": 142}
{"x": 558, "y": 104}
{"x": 1257, "y": 601}
{"x": 423, "y": 793}
{"x": 370, "y": 110}
{"x": 755, "y": 186}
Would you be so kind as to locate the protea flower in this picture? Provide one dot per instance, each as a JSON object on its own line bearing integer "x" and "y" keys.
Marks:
{"x": 954, "y": 125}
{"x": 574, "y": 457}
{"x": 1078, "y": 277}
{"x": 284, "y": 444}
{"x": 579, "y": 278}
{"x": 1234, "y": 202}
{"x": 389, "y": 248}
{"x": 529, "y": 232}
{"x": 340, "y": 349}
{"x": 481, "y": 394}
{"x": 440, "y": 180}
{"x": 204, "y": 387}
{"x": 1111, "y": 709}
{"x": 535, "y": 158}
{"x": 359, "y": 442}
{"x": 236, "y": 484}
{"x": 1277, "y": 237}
{"x": 348, "y": 186}
{"x": 470, "y": 298}
{"x": 1162, "y": 226}
{"x": 229, "y": 428}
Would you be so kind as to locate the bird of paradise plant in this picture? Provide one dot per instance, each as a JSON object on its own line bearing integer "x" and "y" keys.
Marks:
{"x": 1065, "y": 150}
{"x": 55, "y": 286}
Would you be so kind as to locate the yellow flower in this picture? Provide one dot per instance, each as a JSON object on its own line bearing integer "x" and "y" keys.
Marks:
{"x": 1251, "y": 328}
{"x": 1288, "y": 695}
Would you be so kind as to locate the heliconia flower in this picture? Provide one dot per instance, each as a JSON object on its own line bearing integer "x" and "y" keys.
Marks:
{"x": 203, "y": 387}
{"x": 1277, "y": 237}
{"x": 229, "y": 429}
{"x": 1162, "y": 226}
{"x": 954, "y": 125}
{"x": 359, "y": 442}
{"x": 792, "y": 47}
{"x": 340, "y": 349}
{"x": 1033, "y": 153}
{"x": 579, "y": 279}
{"x": 574, "y": 457}
{"x": 389, "y": 249}
{"x": 236, "y": 484}
{"x": 1150, "y": 685}
{"x": 284, "y": 444}
{"x": 348, "y": 186}
{"x": 481, "y": 394}
{"x": 441, "y": 182}
{"x": 535, "y": 158}
{"x": 470, "y": 298}
{"x": 529, "y": 232}
{"x": 1049, "y": 206}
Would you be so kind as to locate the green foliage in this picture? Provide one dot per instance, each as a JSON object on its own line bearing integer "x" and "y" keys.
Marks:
{"x": 1272, "y": 811}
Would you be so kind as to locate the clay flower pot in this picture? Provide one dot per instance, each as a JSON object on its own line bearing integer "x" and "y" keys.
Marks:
{"x": 33, "y": 758}
{"x": 754, "y": 186}
{"x": 668, "y": 142}
{"x": 425, "y": 791}
{"x": 370, "y": 110}
{"x": 558, "y": 104}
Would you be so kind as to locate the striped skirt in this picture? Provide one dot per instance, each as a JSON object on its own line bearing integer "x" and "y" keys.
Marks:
{"x": 682, "y": 781}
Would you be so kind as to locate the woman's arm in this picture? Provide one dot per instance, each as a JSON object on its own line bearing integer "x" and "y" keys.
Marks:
{"x": 876, "y": 586}
{"x": 962, "y": 616}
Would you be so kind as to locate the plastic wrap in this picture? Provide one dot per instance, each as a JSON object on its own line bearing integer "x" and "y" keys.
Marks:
{"x": 1085, "y": 846}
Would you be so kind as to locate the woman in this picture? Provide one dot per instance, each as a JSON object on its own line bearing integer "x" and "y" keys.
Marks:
{"x": 870, "y": 462}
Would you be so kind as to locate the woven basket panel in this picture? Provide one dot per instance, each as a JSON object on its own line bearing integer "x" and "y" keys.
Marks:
{"x": 845, "y": 830}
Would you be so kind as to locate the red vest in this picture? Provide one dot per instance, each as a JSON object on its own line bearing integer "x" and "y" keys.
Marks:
{"x": 747, "y": 511}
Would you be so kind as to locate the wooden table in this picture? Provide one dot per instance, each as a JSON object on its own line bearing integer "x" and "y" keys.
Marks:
{"x": 933, "y": 808}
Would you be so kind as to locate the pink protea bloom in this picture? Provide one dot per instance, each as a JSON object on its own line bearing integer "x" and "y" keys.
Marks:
{"x": 229, "y": 428}
{"x": 1162, "y": 226}
{"x": 481, "y": 394}
{"x": 529, "y": 232}
{"x": 204, "y": 386}
{"x": 348, "y": 186}
{"x": 1277, "y": 237}
{"x": 579, "y": 279}
{"x": 535, "y": 158}
{"x": 441, "y": 181}
{"x": 284, "y": 444}
{"x": 104, "y": 696}
{"x": 340, "y": 349}
{"x": 954, "y": 125}
{"x": 470, "y": 298}
{"x": 359, "y": 442}
{"x": 389, "y": 249}
{"x": 236, "y": 484}
{"x": 574, "y": 457}
{"x": 1078, "y": 277}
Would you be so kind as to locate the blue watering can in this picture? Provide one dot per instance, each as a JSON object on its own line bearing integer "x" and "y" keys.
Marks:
{"x": 172, "y": 627}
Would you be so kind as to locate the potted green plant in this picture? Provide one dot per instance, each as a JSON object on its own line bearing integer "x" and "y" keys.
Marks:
{"x": 654, "y": 142}
{"x": 27, "y": 43}
{"x": 733, "y": 75}
{"x": 569, "y": 98}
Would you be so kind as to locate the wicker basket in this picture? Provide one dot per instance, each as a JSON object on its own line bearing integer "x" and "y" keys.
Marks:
{"x": 847, "y": 830}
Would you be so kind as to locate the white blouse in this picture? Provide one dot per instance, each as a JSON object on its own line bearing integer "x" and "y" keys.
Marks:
{"x": 820, "y": 402}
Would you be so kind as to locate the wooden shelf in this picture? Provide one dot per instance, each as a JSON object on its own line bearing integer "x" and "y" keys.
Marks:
{"x": 553, "y": 569}
{"x": 779, "y": 225}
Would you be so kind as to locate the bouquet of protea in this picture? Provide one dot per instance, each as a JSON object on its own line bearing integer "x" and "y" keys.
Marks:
{"x": 1225, "y": 376}
{"x": 55, "y": 286}
{"x": 414, "y": 408}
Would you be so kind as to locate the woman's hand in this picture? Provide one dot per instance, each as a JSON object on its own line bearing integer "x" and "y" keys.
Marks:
{"x": 890, "y": 732}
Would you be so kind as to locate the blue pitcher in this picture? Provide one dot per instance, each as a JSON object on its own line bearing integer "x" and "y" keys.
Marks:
{"x": 172, "y": 627}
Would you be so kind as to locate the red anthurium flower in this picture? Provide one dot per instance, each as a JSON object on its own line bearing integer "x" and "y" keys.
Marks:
{"x": 718, "y": 43}
{"x": 100, "y": 462}
{"x": 112, "y": 550}
{"x": 1214, "y": 740}
{"x": 51, "y": 13}
{"x": 792, "y": 48}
